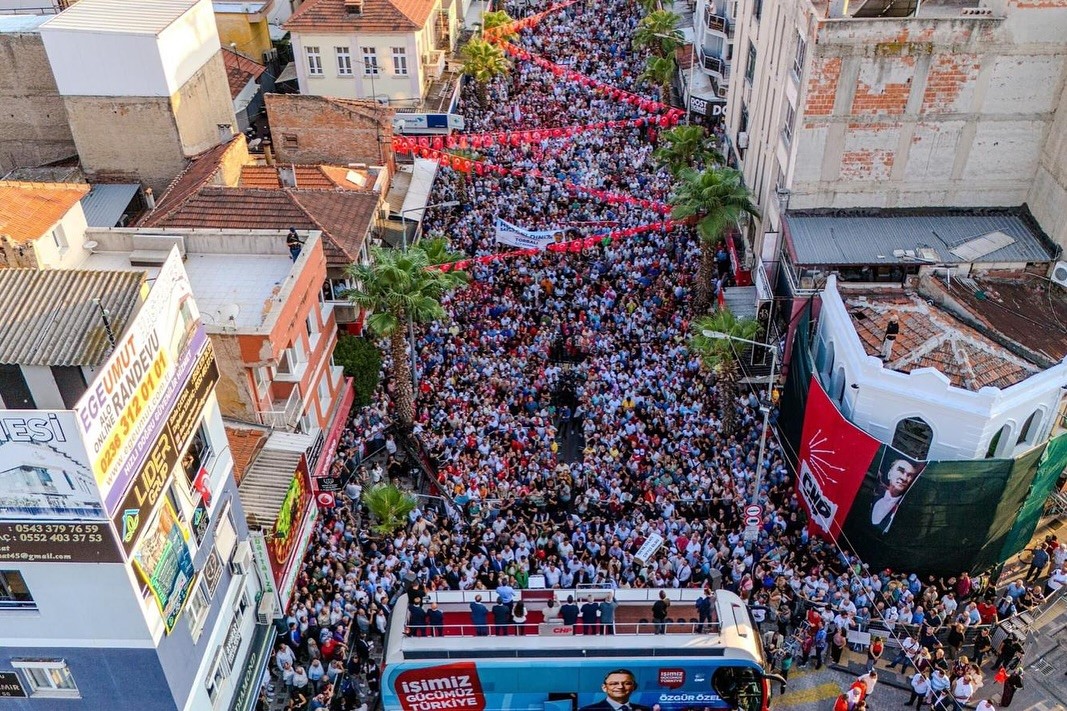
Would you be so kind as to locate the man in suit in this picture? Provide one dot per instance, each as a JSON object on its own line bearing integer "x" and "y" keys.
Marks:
{"x": 436, "y": 620}
{"x": 501, "y": 618}
{"x": 569, "y": 613}
{"x": 619, "y": 685}
{"x": 590, "y": 612}
{"x": 480, "y": 617}
{"x": 893, "y": 485}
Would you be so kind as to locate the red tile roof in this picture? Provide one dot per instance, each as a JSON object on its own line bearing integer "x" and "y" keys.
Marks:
{"x": 376, "y": 16}
{"x": 244, "y": 446}
{"x": 200, "y": 170}
{"x": 240, "y": 70}
{"x": 932, "y": 338}
{"x": 308, "y": 177}
{"x": 28, "y": 210}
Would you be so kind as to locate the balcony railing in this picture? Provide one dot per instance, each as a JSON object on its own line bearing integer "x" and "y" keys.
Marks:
{"x": 285, "y": 415}
{"x": 717, "y": 23}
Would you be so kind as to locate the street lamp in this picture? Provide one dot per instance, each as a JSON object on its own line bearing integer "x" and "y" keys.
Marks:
{"x": 411, "y": 323}
{"x": 692, "y": 65}
{"x": 720, "y": 336}
{"x": 404, "y": 219}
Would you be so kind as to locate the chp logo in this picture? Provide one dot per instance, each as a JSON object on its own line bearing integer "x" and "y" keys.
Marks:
{"x": 816, "y": 474}
{"x": 440, "y": 688}
{"x": 326, "y": 499}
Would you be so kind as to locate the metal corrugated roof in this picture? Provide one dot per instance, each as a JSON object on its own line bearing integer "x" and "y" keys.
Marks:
{"x": 121, "y": 16}
{"x": 835, "y": 238}
{"x": 265, "y": 485}
{"x": 105, "y": 204}
{"x": 50, "y": 318}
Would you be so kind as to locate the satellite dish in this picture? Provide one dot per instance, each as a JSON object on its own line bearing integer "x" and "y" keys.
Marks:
{"x": 90, "y": 246}
{"x": 229, "y": 312}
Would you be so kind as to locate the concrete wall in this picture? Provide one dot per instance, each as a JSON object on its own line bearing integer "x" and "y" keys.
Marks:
{"x": 386, "y": 84}
{"x": 33, "y": 120}
{"x": 250, "y": 33}
{"x": 149, "y": 138}
{"x": 931, "y": 111}
{"x": 1048, "y": 194}
{"x": 963, "y": 422}
{"x": 71, "y": 229}
{"x": 314, "y": 129}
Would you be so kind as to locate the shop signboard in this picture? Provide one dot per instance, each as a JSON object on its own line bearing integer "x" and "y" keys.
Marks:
{"x": 163, "y": 559}
{"x": 11, "y": 686}
{"x": 282, "y": 540}
{"x": 49, "y": 506}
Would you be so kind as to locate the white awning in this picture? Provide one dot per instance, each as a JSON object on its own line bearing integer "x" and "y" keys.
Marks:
{"x": 418, "y": 194}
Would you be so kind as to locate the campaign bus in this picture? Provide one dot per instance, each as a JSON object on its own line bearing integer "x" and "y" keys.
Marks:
{"x": 679, "y": 666}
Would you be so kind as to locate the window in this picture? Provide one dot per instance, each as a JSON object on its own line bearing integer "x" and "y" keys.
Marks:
{"x": 798, "y": 58}
{"x": 370, "y": 61}
{"x": 71, "y": 383}
{"x": 1028, "y": 434}
{"x": 742, "y": 125}
{"x": 216, "y": 676}
{"x": 314, "y": 61}
{"x": 262, "y": 378}
{"x": 14, "y": 595}
{"x": 787, "y": 126}
{"x": 324, "y": 390}
{"x": 400, "y": 61}
{"x": 750, "y": 67}
{"x": 197, "y": 608}
{"x": 48, "y": 678}
{"x": 312, "y": 323}
{"x": 14, "y": 389}
{"x": 198, "y": 454}
{"x": 290, "y": 140}
{"x": 59, "y": 238}
{"x": 1002, "y": 435}
{"x": 913, "y": 437}
{"x": 344, "y": 61}
{"x": 757, "y": 9}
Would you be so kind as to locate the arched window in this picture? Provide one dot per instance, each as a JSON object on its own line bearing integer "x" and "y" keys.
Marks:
{"x": 1002, "y": 435}
{"x": 1028, "y": 434}
{"x": 826, "y": 360}
{"x": 913, "y": 437}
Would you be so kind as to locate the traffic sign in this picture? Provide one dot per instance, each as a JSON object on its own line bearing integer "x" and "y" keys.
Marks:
{"x": 754, "y": 510}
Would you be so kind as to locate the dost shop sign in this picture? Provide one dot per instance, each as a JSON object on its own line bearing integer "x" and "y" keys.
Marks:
{"x": 145, "y": 491}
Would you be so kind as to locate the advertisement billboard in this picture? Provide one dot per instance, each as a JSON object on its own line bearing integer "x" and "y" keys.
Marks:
{"x": 282, "y": 542}
{"x": 638, "y": 684}
{"x": 120, "y": 413}
{"x": 165, "y": 563}
{"x": 49, "y": 506}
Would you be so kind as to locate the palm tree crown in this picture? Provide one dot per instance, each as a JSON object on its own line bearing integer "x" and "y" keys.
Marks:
{"x": 658, "y": 33}
{"x": 398, "y": 286}
{"x": 661, "y": 71}
{"x": 683, "y": 146}
{"x": 483, "y": 61}
{"x": 720, "y": 355}
{"x": 390, "y": 506}
{"x": 497, "y": 25}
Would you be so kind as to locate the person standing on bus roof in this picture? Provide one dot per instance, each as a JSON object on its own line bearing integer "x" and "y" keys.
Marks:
{"x": 436, "y": 620}
{"x": 569, "y": 613}
{"x": 607, "y": 614}
{"x": 480, "y": 617}
{"x": 590, "y": 612}
{"x": 659, "y": 612}
{"x": 501, "y": 618}
{"x": 705, "y": 604}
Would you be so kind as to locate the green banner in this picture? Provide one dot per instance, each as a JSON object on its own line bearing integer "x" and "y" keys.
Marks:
{"x": 794, "y": 397}
{"x": 942, "y": 523}
{"x": 1049, "y": 469}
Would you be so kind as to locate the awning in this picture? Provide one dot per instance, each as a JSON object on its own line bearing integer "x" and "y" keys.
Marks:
{"x": 265, "y": 485}
{"x": 105, "y": 204}
{"x": 288, "y": 74}
{"x": 418, "y": 194}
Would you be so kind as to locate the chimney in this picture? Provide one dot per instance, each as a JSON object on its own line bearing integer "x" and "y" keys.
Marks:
{"x": 354, "y": 7}
{"x": 225, "y": 132}
{"x": 838, "y": 9}
{"x": 268, "y": 154}
{"x": 149, "y": 199}
{"x": 287, "y": 176}
{"x": 892, "y": 329}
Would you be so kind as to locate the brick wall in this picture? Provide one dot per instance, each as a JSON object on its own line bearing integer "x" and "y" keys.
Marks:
{"x": 822, "y": 86}
{"x": 316, "y": 129}
{"x": 950, "y": 83}
{"x": 883, "y": 86}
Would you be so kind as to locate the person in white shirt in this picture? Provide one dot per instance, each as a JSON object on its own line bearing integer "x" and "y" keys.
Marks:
{"x": 1057, "y": 580}
{"x": 962, "y": 690}
{"x": 920, "y": 687}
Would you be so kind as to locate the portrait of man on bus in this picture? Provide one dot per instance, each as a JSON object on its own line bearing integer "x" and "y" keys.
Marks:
{"x": 619, "y": 685}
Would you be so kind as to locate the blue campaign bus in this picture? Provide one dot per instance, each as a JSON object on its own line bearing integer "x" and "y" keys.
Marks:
{"x": 555, "y": 667}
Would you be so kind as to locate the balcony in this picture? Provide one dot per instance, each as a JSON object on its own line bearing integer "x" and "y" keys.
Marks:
{"x": 715, "y": 67}
{"x": 283, "y": 415}
{"x": 718, "y": 24}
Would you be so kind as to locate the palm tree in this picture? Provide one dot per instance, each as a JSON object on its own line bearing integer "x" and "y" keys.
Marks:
{"x": 649, "y": 6}
{"x": 483, "y": 61}
{"x": 683, "y": 146}
{"x": 390, "y": 506}
{"x": 661, "y": 72}
{"x": 397, "y": 288}
{"x": 720, "y": 355}
{"x": 497, "y": 25}
{"x": 716, "y": 198}
{"x": 658, "y": 33}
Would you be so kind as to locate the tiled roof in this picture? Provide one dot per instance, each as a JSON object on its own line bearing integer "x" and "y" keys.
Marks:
{"x": 244, "y": 445}
{"x": 200, "y": 170}
{"x": 932, "y": 338}
{"x": 377, "y": 16}
{"x": 28, "y": 210}
{"x": 343, "y": 216}
{"x": 308, "y": 177}
{"x": 240, "y": 70}
{"x": 51, "y": 317}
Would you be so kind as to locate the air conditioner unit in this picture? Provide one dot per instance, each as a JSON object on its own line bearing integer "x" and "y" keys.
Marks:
{"x": 742, "y": 140}
{"x": 265, "y": 613}
{"x": 241, "y": 563}
{"x": 383, "y": 212}
{"x": 722, "y": 90}
{"x": 1059, "y": 273}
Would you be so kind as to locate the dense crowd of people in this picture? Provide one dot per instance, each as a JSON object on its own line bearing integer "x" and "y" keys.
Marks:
{"x": 569, "y": 421}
